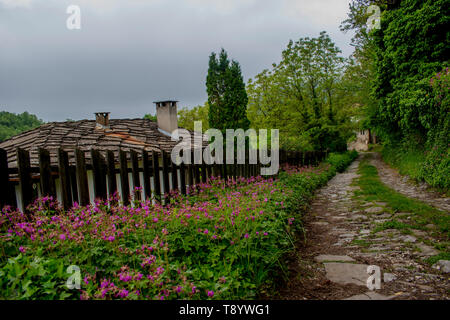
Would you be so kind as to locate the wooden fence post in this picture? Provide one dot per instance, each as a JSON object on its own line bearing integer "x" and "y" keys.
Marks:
{"x": 174, "y": 168}
{"x": 7, "y": 192}
{"x": 124, "y": 180}
{"x": 194, "y": 169}
{"x": 135, "y": 174}
{"x": 183, "y": 178}
{"x": 224, "y": 168}
{"x": 204, "y": 174}
{"x": 156, "y": 178}
{"x": 99, "y": 174}
{"x": 165, "y": 173}
{"x": 73, "y": 183}
{"x": 111, "y": 172}
{"x": 47, "y": 183}
{"x": 191, "y": 174}
{"x": 26, "y": 189}
{"x": 64, "y": 178}
{"x": 82, "y": 180}
{"x": 146, "y": 173}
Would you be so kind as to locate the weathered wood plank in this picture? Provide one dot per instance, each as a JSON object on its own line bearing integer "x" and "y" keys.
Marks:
{"x": 165, "y": 171}
{"x": 156, "y": 177}
{"x": 182, "y": 178}
{"x": 99, "y": 174}
{"x": 135, "y": 174}
{"x": 174, "y": 168}
{"x": 124, "y": 181}
{"x": 190, "y": 169}
{"x": 45, "y": 173}
{"x": 73, "y": 183}
{"x": 82, "y": 181}
{"x": 25, "y": 183}
{"x": 146, "y": 173}
{"x": 204, "y": 173}
{"x": 64, "y": 178}
{"x": 111, "y": 172}
{"x": 7, "y": 192}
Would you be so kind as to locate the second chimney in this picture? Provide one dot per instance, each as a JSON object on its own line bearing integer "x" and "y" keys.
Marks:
{"x": 166, "y": 115}
{"x": 102, "y": 120}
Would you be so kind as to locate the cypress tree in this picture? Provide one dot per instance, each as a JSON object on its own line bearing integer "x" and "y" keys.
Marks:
{"x": 227, "y": 97}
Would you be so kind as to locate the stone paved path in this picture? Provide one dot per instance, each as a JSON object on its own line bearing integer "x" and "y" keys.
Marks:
{"x": 340, "y": 245}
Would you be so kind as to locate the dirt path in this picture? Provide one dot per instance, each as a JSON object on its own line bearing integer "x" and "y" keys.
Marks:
{"x": 402, "y": 184}
{"x": 340, "y": 245}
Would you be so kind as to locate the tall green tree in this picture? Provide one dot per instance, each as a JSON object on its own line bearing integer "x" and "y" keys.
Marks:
{"x": 301, "y": 95}
{"x": 227, "y": 97}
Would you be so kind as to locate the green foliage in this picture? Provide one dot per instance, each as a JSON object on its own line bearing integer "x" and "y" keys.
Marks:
{"x": 151, "y": 117}
{"x": 12, "y": 124}
{"x": 227, "y": 98}
{"x": 302, "y": 96}
{"x": 406, "y": 157}
{"x": 186, "y": 117}
{"x": 427, "y": 158}
{"x": 403, "y": 95}
{"x": 341, "y": 161}
{"x": 411, "y": 46}
{"x": 27, "y": 277}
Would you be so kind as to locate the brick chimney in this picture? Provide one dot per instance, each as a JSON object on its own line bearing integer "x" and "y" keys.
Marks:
{"x": 102, "y": 120}
{"x": 166, "y": 115}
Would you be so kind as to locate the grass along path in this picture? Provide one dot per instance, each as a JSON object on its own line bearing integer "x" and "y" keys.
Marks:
{"x": 420, "y": 215}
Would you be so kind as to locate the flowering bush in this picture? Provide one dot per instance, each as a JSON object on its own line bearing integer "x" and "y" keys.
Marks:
{"x": 225, "y": 240}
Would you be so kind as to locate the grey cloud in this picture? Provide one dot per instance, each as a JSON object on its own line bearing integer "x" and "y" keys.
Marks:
{"x": 128, "y": 56}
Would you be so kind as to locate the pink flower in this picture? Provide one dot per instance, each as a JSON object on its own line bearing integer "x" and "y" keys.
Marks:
{"x": 22, "y": 249}
{"x": 210, "y": 294}
{"x": 62, "y": 236}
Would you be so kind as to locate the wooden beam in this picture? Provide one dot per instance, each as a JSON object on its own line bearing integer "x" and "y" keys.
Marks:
{"x": 64, "y": 178}
{"x": 124, "y": 181}
{"x": 82, "y": 181}
{"x": 7, "y": 192}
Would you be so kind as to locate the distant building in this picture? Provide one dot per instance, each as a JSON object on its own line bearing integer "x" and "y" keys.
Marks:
{"x": 363, "y": 138}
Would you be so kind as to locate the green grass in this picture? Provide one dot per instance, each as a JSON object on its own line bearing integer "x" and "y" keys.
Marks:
{"x": 412, "y": 158}
{"x": 372, "y": 189}
{"x": 441, "y": 256}
{"x": 408, "y": 162}
{"x": 361, "y": 243}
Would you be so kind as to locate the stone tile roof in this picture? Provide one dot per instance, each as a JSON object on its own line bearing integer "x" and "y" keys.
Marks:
{"x": 126, "y": 134}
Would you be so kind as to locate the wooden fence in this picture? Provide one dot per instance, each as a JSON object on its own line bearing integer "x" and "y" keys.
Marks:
{"x": 143, "y": 168}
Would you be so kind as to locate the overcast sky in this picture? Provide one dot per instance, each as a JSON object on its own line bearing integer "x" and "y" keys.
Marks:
{"x": 130, "y": 53}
